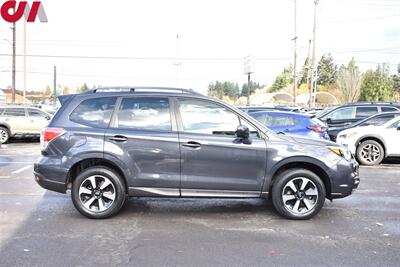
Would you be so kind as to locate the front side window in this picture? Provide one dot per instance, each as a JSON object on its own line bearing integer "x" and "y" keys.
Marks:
{"x": 145, "y": 113}
{"x": 94, "y": 112}
{"x": 378, "y": 120}
{"x": 204, "y": 117}
{"x": 395, "y": 125}
{"x": 342, "y": 114}
{"x": 14, "y": 112}
{"x": 1, "y": 111}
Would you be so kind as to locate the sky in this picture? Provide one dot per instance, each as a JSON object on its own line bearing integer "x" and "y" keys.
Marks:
{"x": 130, "y": 42}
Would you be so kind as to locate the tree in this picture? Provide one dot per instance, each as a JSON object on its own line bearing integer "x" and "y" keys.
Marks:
{"x": 377, "y": 85}
{"x": 83, "y": 88}
{"x": 221, "y": 89}
{"x": 253, "y": 87}
{"x": 305, "y": 72}
{"x": 283, "y": 80}
{"x": 327, "y": 70}
{"x": 66, "y": 90}
{"x": 349, "y": 81}
{"x": 47, "y": 90}
{"x": 396, "y": 81}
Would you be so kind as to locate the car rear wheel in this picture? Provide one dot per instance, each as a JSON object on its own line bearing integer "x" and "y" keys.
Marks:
{"x": 370, "y": 153}
{"x": 4, "y": 135}
{"x": 298, "y": 194}
{"x": 98, "y": 193}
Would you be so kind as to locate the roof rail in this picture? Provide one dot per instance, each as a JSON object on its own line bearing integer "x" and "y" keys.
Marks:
{"x": 143, "y": 89}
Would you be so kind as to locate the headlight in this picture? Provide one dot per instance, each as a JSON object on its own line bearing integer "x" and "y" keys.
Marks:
{"x": 344, "y": 136}
{"x": 341, "y": 152}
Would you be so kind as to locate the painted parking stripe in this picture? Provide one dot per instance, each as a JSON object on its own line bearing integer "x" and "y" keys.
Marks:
{"x": 4, "y": 177}
{"x": 22, "y": 169}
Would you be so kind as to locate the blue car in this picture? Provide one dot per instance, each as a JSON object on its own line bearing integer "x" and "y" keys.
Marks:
{"x": 292, "y": 123}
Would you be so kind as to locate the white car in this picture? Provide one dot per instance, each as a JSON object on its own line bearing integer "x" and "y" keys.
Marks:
{"x": 371, "y": 144}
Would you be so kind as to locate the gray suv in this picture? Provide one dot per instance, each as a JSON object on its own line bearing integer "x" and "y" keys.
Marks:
{"x": 112, "y": 143}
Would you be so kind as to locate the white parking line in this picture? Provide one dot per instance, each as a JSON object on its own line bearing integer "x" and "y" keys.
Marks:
{"x": 16, "y": 162}
{"x": 22, "y": 169}
{"x": 4, "y": 177}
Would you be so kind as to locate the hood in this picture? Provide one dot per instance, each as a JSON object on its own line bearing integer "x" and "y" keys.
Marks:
{"x": 305, "y": 141}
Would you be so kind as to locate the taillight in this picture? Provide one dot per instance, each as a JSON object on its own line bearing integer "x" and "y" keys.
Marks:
{"x": 315, "y": 128}
{"x": 48, "y": 135}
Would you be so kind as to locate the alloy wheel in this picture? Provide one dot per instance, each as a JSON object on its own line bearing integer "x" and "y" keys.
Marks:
{"x": 3, "y": 136}
{"x": 97, "y": 193}
{"x": 300, "y": 196}
{"x": 370, "y": 153}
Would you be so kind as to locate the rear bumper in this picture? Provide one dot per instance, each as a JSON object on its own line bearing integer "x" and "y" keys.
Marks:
{"x": 49, "y": 175}
{"x": 345, "y": 179}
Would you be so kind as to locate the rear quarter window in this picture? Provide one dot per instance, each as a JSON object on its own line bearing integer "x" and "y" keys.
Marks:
{"x": 94, "y": 112}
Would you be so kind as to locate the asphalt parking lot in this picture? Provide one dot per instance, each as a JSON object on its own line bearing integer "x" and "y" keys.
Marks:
{"x": 40, "y": 228}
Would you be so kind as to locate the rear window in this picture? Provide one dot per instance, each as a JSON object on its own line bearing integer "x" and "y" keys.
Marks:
{"x": 144, "y": 113}
{"x": 365, "y": 112}
{"x": 14, "y": 112}
{"x": 94, "y": 112}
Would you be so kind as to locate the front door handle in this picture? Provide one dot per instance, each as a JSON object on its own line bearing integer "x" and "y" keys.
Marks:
{"x": 192, "y": 144}
{"x": 119, "y": 138}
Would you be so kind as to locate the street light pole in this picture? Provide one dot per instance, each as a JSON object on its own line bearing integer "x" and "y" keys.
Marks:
{"x": 13, "y": 62}
{"x": 295, "y": 55}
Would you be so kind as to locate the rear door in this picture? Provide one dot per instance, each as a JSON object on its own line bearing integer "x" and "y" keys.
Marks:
{"x": 143, "y": 136}
{"x": 214, "y": 162}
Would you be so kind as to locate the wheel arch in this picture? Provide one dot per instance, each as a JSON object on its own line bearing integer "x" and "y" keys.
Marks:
{"x": 375, "y": 138}
{"x": 84, "y": 164}
{"x": 307, "y": 163}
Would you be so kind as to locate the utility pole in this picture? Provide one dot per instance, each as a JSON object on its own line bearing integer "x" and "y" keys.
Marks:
{"x": 309, "y": 72}
{"x": 177, "y": 63}
{"x": 314, "y": 64}
{"x": 55, "y": 85}
{"x": 248, "y": 88}
{"x": 24, "y": 59}
{"x": 13, "y": 62}
{"x": 295, "y": 55}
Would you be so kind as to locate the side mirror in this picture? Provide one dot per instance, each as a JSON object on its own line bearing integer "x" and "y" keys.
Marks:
{"x": 329, "y": 120}
{"x": 398, "y": 128}
{"x": 48, "y": 117}
{"x": 243, "y": 133}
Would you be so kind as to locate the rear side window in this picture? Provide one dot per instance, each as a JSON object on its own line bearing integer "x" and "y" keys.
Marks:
{"x": 280, "y": 121}
{"x": 389, "y": 109}
{"x": 94, "y": 112}
{"x": 365, "y": 112}
{"x": 14, "y": 112}
{"x": 145, "y": 113}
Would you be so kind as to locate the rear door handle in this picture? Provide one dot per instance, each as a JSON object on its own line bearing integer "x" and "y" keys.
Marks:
{"x": 192, "y": 144}
{"x": 119, "y": 138}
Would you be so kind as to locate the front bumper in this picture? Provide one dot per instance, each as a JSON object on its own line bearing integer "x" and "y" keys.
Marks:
{"x": 345, "y": 178}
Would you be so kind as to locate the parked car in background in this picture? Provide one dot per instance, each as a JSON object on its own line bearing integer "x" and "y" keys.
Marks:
{"x": 251, "y": 109}
{"x": 377, "y": 119}
{"x": 372, "y": 144}
{"x": 348, "y": 114}
{"x": 292, "y": 123}
{"x": 21, "y": 121}
{"x": 104, "y": 147}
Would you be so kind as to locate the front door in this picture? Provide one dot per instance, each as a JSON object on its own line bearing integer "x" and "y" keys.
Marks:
{"x": 214, "y": 162}
{"x": 143, "y": 135}
{"x": 38, "y": 120}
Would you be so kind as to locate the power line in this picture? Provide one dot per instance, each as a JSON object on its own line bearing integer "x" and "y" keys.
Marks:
{"x": 359, "y": 20}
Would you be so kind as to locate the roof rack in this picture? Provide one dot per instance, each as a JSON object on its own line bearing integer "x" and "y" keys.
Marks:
{"x": 142, "y": 89}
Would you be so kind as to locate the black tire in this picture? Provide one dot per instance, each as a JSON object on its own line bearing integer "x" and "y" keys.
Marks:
{"x": 4, "y": 135}
{"x": 317, "y": 198}
{"x": 370, "y": 153}
{"x": 117, "y": 188}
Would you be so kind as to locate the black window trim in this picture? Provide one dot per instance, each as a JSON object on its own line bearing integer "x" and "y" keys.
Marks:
{"x": 113, "y": 121}
{"x": 262, "y": 135}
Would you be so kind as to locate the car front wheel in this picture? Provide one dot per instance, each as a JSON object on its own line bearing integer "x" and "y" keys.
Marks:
{"x": 298, "y": 194}
{"x": 98, "y": 193}
{"x": 370, "y": 153}
{"x": 4, "y": 135}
